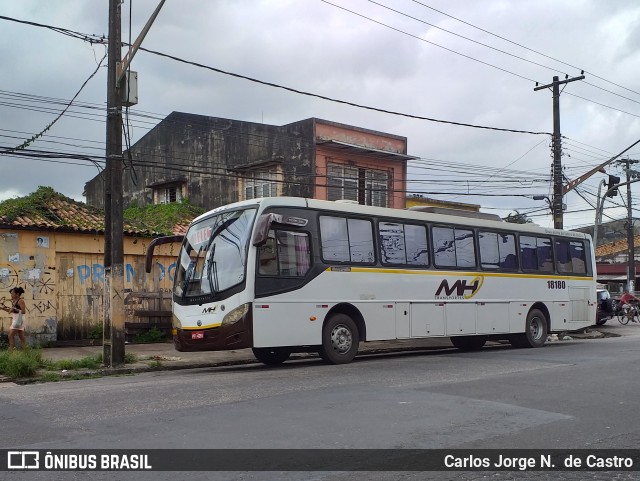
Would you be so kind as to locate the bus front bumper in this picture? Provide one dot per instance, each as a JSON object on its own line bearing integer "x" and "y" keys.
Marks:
{"x": 238, "y": 335}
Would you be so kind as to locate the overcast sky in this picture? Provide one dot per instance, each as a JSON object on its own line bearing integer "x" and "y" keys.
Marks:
{"x": 412, "y": 60}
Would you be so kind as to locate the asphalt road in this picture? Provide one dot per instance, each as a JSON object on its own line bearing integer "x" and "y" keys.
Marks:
{"x": 573, "y": 395}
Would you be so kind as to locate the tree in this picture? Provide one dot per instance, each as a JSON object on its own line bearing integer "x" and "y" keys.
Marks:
{"x": 518, "y": 218}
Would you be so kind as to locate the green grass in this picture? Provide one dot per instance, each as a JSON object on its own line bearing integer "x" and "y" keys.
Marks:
{"x": 16, "y": 364}
{"x": 20, "y": 364}
{"x": 152, "y": 335}
{"x": 89, "y": 362}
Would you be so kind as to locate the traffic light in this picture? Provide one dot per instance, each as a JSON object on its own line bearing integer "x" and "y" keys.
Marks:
{"x": 613, "y": 180}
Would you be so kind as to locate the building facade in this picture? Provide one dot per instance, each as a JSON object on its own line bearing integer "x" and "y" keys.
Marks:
{"x": 214, "y": 161}
{"x": 55, "y": 252}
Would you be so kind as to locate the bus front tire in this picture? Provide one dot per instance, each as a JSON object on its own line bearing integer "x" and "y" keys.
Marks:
{"x": 271, "y": 356}
{"x": 535, "y": 334}
{"x": 469, "y": 343}
{"x": 340, "y": 340}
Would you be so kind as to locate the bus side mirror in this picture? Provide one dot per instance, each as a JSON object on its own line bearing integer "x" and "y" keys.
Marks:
{"x": 263, "y": 225}
{"x": 156, "y": 242}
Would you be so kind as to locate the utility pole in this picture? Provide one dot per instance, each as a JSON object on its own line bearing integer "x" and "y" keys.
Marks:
{"x": 556, "y": 204}
{"x": 113, "y": 337}
{"x": 631, "y": 255}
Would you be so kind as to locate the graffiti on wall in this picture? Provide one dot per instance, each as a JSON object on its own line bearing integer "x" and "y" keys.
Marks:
{"x": 35, "y": 282}
{"x": 94, "y": 273}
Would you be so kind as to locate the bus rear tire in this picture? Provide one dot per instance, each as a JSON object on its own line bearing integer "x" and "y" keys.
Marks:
{"x": 340, "y": 340}
{"x": 535, "y": 334}
{"x": 271, "y": 356}
{"x": 469, "y": 343}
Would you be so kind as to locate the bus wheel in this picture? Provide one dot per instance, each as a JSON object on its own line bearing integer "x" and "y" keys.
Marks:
{"x": 340, "y": 339}
{"x": 469, "y": 343}
{"x": 271, "y": 356}
{"x": 535, "y": 334}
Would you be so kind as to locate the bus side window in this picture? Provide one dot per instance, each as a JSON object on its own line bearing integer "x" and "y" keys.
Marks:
{"x": 285, "y": 253}
{"x": 578, "y": 257}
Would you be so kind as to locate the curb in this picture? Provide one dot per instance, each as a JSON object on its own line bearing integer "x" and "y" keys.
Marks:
{"x": 587, "y": 334}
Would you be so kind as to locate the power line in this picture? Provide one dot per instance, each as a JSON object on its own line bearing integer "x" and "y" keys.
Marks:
{"x": 323, "y": 97}
{"x": 344, "y": 102}
{"x": 524, "y": 47}
{"x": 26, "y": 143}
{"x": 428, "y": 41}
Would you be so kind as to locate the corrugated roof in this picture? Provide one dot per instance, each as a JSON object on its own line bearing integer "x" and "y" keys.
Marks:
{"x": 46, "y": 209}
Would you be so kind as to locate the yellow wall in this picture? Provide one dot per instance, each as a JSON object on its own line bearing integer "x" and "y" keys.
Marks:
{"x": 63, "y": 278}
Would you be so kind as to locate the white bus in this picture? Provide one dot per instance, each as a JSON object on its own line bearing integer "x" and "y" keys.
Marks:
{"x": 283, "y": 275}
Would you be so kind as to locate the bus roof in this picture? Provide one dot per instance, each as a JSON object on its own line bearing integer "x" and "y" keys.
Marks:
{"x": 348, "y": 207}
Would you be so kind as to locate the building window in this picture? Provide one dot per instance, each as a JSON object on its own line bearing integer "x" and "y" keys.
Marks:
{"x": 365, "y": 186}
{"x": 261, "y": 183}
{"x": 167, "y": 194}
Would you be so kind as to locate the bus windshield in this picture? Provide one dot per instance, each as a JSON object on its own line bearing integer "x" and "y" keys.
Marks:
{"x": 213, "y": 256}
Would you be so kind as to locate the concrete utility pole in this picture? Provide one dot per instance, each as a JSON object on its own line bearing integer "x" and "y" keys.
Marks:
{"x": 631, "y": 255}
{"x": 556, "y": 204}
{"x": 113, "y": 337}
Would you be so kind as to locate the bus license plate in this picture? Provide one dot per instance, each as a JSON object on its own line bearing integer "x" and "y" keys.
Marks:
{"x": 197, "y": 335}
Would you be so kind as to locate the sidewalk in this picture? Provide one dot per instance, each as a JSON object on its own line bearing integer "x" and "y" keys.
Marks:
{"x": 162, "y": 356}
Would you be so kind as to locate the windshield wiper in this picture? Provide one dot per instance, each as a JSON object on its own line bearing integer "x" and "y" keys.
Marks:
{"x": 190, "y": 272}
{"x": 212, "y": 272}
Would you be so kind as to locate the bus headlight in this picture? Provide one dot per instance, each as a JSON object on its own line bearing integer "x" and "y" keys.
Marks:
{"x": 234, "y": 316}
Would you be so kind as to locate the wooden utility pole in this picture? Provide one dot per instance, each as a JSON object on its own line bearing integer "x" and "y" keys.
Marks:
{"x": 556, "y": 203}
{"x": 113, "y": 337}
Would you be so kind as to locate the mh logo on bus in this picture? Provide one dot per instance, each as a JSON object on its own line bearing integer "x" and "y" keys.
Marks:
{"x": 460, "y": 289}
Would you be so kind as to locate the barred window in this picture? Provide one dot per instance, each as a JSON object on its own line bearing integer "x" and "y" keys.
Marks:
{"x": 261, "y": 183}
{"x": 365, "y": 186}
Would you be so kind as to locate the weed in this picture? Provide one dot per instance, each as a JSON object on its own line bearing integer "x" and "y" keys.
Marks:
{"x": 154, "y": 364}
{"x": 97, "y": 332}
{"x": 152, "y": 335}
{"x": 130, "y": 358}
{"x": 16, "y": 364}
{"x": 88, "y": 362}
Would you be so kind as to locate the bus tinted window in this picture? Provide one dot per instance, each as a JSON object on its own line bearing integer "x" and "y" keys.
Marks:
{"x": 415, "y": 237}
{"x": 578, "y": 257}
{"x": 545, "y": 256}
{"x": 535, "y": 253}
{"x": 497, "y": 251}
{"x": 403, "y": 244}
{"x": 570, "y": 257}
{"x": 360, "y": 241}
{"x": 345, "y": 240}
{"x": 285, "y": 254}
{"x": 453, "y": 247}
